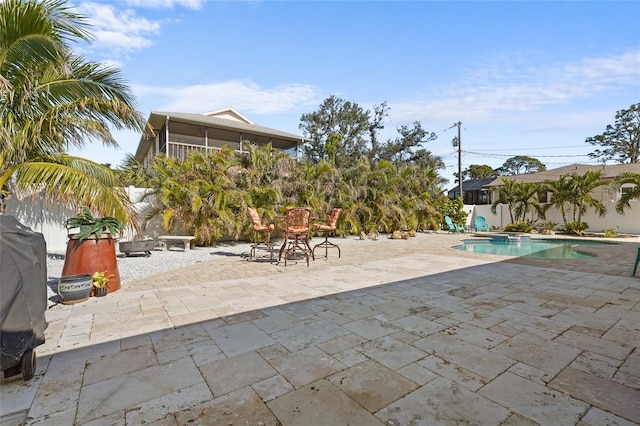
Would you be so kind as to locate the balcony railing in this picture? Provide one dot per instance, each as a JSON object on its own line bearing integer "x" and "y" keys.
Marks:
{"x": 182, "y": 150}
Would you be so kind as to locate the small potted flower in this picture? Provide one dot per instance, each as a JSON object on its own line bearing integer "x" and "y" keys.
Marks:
{"x": 100, "y": 282}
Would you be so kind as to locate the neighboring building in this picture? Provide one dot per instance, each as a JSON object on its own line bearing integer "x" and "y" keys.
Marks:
{"x": 177, "y": 134}
{"x": 628, "y": 222}
{"x": 473, "y": 191}
{"x": 603, "y": 193}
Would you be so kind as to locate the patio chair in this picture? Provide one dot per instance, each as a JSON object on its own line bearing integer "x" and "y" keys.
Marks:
{"x": 296, "y": 234}
{"x": 635, "y": 265}
{"x": 326, "y": 229}
{"x": 261, "y": 234}
{"x": 452, "y": 226}
{"x": 481, "y": 224}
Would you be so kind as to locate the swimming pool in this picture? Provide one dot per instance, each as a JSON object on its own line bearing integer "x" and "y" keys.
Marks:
{"x": 537, "y": 248}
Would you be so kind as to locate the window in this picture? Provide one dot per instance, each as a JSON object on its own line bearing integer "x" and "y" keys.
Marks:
{"x": 627, "y": 189}
{"x": 543, "y": 197}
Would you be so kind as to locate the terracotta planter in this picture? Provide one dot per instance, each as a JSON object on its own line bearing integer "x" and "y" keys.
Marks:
{"x": 90, "y": 256}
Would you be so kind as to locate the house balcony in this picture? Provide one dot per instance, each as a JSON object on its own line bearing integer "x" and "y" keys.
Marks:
{"x": 181, "y": 150}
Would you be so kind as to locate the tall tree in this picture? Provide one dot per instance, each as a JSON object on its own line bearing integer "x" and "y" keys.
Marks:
{"x": 408, "y": 148}
{"x": 350, "y": 124}
{"x": 481, "y": 171}
{"x": 521, "y": 164}
{"x": 620, "y": 142}
{"x": 51, "y": 100}
{"x": 477, "y": 171}
{"x": 342, "y": 133}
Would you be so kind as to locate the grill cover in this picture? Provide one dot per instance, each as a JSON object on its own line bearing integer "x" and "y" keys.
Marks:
{"x": 23, "y": 290}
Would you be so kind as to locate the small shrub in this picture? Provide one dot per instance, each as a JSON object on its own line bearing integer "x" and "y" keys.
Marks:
{"x": 101, "y": 279}
{"x": 520, "y": 226}
{"x": 547, "y": 226}
{"x": 611, "y": 232}
{"x": 577, "y": 228}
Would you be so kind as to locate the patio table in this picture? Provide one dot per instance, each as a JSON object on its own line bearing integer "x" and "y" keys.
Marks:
{"x": 295, "y": 240}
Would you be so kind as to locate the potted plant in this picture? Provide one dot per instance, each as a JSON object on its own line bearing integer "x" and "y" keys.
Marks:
{"x": 91, "y": 246}
{"x": 86, "y": 225}
{"x": 100, "y": 283}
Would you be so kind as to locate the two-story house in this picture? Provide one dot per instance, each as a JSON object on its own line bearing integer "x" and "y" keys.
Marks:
{"x": 176, "y": 134}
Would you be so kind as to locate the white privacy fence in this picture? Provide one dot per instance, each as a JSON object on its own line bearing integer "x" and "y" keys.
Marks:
{"x": 49, "y": 219}
{"x": 627, "y": 223}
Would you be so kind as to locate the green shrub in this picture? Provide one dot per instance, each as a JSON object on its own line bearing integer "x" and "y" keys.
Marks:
{"x": 577, "y": 228}
{"x": 547, "y": 226}
{"x": 452, "y": 208}
{"x": 611, "y": 232}
{"x": 520, "y": 226}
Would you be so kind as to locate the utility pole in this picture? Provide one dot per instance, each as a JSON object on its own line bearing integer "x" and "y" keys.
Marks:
{"x": 458, "y": 142}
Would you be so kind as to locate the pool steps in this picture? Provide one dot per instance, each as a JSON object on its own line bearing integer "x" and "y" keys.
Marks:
{"x": 510, "y": 238}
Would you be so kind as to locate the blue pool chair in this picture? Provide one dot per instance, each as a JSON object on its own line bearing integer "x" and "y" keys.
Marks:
{"x": 452, "y": 226}
{"x": 481, "y": 224}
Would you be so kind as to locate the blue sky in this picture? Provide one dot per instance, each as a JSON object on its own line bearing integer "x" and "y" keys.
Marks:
{"x": 524, "y": 78}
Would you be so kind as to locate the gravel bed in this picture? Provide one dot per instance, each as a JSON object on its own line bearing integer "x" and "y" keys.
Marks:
{"x": 137, "y": 266}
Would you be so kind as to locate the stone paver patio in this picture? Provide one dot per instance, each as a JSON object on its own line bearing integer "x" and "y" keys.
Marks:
{"x": 393, "y": 333}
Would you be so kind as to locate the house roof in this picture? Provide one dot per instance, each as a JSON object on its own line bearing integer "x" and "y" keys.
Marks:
{"x": 226, "y": 119}
{"x": 472, "y": 185}
{"x": 229, "y": 113}
{"x": 608, "y": 172}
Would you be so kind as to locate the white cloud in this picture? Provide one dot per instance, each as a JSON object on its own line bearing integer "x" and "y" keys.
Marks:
{"x": 167, "y": 4}
{"x": 505, "y": 88}
{"x": 118, "y": 30}
{"x": 245, "y": 96}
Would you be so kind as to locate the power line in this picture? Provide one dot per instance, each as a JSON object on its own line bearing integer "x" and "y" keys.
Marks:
{"x": 507, "y": 155}
{"x": 529, "y": 149}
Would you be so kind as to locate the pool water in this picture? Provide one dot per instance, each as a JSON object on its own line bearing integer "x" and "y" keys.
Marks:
{"x": 540, "y": 249}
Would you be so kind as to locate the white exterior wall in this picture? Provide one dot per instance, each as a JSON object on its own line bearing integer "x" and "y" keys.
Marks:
{"x": 49, "y": 220}
{"x": 629, "y": 223}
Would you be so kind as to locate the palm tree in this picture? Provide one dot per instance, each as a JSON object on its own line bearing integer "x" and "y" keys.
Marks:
{"x": 200, "y": 194}
{"x": 520, "y": 197}
{"x": 561, "y": 194}
{"x": 258, "y": 176}
{"x": 527, "y": 199}
{"x": 132, "y": 173}
{"x": 583, "y": 185}
{"x": 508, "y": 194}
{"x": 632, "y": 194}
{"x": 52, "y": 100}
{"x": 424, "y": 185}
